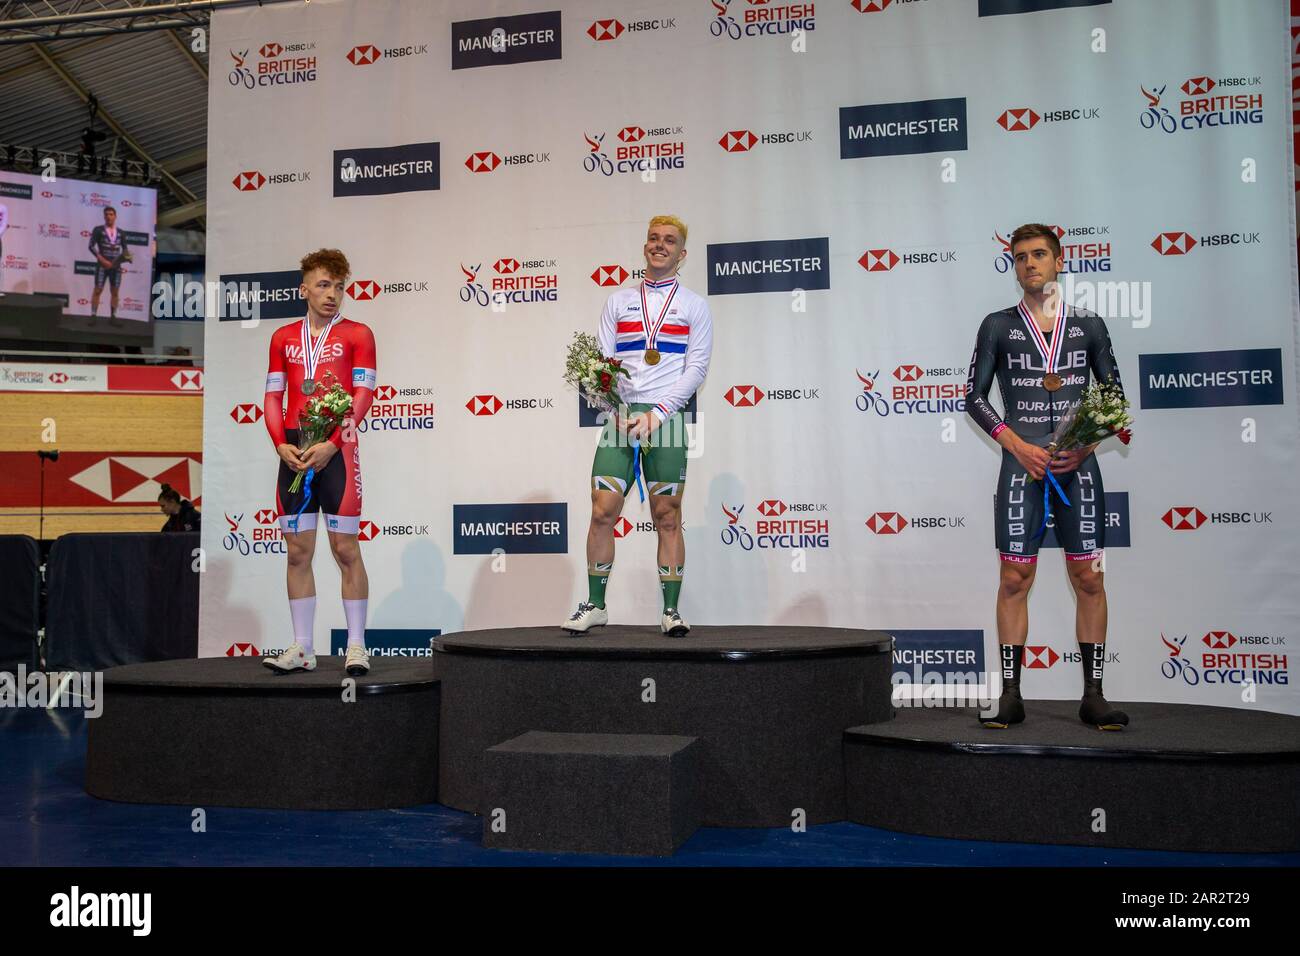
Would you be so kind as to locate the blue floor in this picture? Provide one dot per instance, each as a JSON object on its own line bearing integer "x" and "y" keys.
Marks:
{"x": 47, "y": 819}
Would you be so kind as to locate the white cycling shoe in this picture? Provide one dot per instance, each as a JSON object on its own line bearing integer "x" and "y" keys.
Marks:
{"x": 585, "y": 618}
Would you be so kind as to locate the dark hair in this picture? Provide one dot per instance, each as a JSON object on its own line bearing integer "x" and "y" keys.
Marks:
{"x": 110, "y": 209}
{"x": 169, "y": 493}
{"x": 1036, "y": 230}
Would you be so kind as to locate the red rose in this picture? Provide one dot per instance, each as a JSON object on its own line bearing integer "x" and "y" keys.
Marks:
{"x": 1125, "y": 435}
{"x": 605, "y": 379}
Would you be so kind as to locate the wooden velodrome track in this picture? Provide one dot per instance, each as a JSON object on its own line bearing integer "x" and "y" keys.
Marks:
{"x": 88, "y": 428}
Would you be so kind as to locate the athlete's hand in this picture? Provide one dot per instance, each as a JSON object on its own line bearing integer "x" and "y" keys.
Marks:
{"x": 641, "y": 425}
{"x": 318, "y": 455}
{"x": 1033, "y": 459}
{"x": 291, "y": 457}
{"x": 104, "y": 262}
{"x": 1068, "y": 461}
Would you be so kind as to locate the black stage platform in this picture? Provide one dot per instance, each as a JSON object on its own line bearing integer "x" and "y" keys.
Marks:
{"x": 1180, "y": 777}
{"x": 769, "y": 706}
{"x": 228, "y": 732}
{"x": 642, "y": 737}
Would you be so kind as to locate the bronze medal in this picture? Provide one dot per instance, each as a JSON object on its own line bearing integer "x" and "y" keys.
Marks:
{"x": 652, "y": 356}
{"x": 1052, "y": 382}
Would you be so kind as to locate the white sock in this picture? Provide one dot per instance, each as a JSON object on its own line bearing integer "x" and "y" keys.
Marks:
{"x": 303, "y": 612}
{"x": 355, "y": 612}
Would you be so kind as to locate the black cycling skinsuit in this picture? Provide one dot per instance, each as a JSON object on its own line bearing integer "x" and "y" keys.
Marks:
{"x": 1005, "y": 349}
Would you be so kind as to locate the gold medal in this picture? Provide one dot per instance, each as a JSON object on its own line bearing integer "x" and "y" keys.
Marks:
{"x": 652, "y": 356}
{"x": 1052, "y": 382}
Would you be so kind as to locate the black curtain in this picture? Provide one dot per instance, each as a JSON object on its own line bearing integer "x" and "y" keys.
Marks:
{"x": 120, "y": 599}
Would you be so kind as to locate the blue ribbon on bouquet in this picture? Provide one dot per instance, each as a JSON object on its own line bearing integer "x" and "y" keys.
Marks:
{"x": 306, "y": 497}
{"x": 1048, "y": 485}
{"x": 636, "y": 468}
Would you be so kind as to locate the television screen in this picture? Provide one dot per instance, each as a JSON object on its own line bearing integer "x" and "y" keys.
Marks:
{"x": 76, "y": 241}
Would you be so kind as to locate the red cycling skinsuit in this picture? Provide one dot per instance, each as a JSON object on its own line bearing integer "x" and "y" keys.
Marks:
{"x": 349, "y": 354}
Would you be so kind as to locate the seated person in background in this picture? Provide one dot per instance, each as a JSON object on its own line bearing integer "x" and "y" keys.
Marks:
{"x": 181, "y": 514}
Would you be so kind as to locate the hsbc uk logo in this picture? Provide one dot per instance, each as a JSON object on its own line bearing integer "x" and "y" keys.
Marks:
{"x": 366, "y": 290}
{"x": 399, "y": 408}
{"x": 510, "y": 281}
{"x": 894, "y": 522}
{"x": 246, "y": 414}
{"x": 636, "y": 150}
{"x": 756, "y": 18}
{"x": 52, "y": 230}
{"x": 1023, "y": 119}
{"x": 489, "y": 161}
{"x": 276, "y": 64}
{"x": 1082, "y": 248}
{"x": 885, "y": 260}
{"x": 1179, "y": 243}
{"x": 747, "y": 396}
{"x": 1207, "y": 102}
{"x": 485, "y": 406}
{"x": 367, "y": 53}
{"x": 609, "y": 277}
{"x": 915, "y": 390}
{"x": 743, "y": 140}
{"x": 1191, "y": 518}
{"x": 778, "y": 526}
{"x": 623, "y": 527}
{"x": 1039, "y": 657}
{"x": 604, "y": 30}
{"x": 368, "y": 530}
{"x": 252, "y": 180}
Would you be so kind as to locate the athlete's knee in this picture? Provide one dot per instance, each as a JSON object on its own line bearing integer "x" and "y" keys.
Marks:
{"x": 667, "y": 517}
{"x": 1087, "y": 581}
{"x": 346, "y": 549}
{"x": 298, "y": 552}
{"x": 1015, "y": 580}
{"x": 605, "y": 509}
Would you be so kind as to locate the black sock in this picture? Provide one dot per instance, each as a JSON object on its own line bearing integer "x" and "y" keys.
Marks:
{"x": 1012, "y": 657}
{"x": 1093, "y": 657}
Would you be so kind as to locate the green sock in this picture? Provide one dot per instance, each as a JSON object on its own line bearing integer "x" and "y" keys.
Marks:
{"x": 670, "y": 583}
{"x": 597, "y": 578}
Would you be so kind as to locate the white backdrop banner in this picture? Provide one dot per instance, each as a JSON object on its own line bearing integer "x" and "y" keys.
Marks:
{"x": 850, "y": 172}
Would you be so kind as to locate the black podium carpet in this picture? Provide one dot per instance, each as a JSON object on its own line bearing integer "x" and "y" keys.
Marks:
{"x": 769, "y": 706}
{"x": 1180, "y": 777}
{"x": 229, "y": 732}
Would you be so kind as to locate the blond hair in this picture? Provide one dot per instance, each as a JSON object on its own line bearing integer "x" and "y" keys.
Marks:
{"x": 669, "y": 221}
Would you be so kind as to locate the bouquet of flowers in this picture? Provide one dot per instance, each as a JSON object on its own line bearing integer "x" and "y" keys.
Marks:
{"x": 317, "y": 421}
{"x": 592, "y": 374}
{"x": 1100, "y": 413}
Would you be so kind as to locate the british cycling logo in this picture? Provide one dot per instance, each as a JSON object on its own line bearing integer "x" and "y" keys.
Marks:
{"x": 511, "y": 282}
{"x": 638, "y": 150}
{"x": 758, "y": 19}
{"x": 777, "y": 529}
{"x": 266, "y": 535}
{"x": 1224, "y": 661}
{"x": 916, "y": 390}
{"x": 272, "y": 67}
{"x": 1205, "y": 104}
